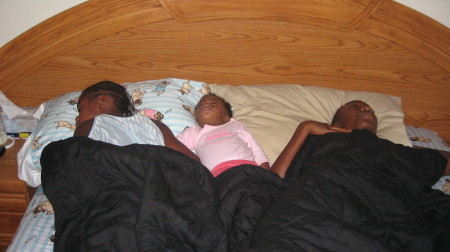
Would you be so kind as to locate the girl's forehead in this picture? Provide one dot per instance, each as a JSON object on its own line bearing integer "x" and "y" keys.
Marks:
{"x": 209, "y": 97}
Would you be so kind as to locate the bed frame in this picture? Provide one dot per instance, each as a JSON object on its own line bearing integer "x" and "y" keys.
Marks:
{"x": 371, "y": 45}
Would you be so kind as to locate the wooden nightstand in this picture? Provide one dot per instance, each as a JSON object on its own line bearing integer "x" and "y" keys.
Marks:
{"x": 14, "y": 195}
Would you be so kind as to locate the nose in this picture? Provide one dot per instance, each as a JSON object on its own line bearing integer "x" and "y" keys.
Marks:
{"x": 367, "y": 109}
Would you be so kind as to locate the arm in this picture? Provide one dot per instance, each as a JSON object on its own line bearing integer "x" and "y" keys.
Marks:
{"x": 265, "y": 165}
{"x": 258, "y": 152}
{"x": 84, "y": 128}
{"x": 172, "y": 142}
{"x": 304, "y": 129}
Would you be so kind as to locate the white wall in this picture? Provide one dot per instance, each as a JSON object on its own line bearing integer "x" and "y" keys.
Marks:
{"x": 439, "y": 10}
{"x": 17, "y": 16}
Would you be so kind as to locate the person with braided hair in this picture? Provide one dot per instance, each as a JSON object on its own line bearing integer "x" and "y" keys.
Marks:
{"x": 106, "y": 113}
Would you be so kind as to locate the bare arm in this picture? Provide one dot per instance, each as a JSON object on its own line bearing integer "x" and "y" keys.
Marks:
{"x": 265, "y": 165}
{"x": 172, "y": 142}
{"x": 304, "y": 129}
{"x": 84, "y": 128}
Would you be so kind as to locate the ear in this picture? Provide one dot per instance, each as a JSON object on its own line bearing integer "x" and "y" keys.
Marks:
{"x": 227, "y": 118}
{"x": 100, "y": 101}
{"x": 107, "y": 105}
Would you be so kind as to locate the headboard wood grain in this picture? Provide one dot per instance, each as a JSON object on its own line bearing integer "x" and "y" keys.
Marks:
{"x": 371, "y": 45}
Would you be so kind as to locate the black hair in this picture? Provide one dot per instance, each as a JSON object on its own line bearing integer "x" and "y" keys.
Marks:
{"x": 226, "y": 104}
{"x": 119, "y": 93}
{"x": 337, "y": 114}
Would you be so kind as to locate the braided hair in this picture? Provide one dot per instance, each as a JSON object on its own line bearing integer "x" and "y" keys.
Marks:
{"x": 121, "y": 97}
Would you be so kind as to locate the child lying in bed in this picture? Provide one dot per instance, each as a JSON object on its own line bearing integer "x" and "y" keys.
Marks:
{"x": 106, "y": 113}
{"x": 219, "y": 140}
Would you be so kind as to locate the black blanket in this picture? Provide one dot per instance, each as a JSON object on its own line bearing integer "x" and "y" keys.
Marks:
{"x": 346, "y": 192}
{"x": 356, "y": 192}
{"x": 150, "y": 198}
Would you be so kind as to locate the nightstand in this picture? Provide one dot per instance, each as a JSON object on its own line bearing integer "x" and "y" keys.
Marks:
{"x": 14, "y": 195}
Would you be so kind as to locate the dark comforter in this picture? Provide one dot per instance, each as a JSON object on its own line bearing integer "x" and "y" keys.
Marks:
{"x": 356, "y": 192}
{"x": 149, "y": 198}
{"x": 347, "y": 192}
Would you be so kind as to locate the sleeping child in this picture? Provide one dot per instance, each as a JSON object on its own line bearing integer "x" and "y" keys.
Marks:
{"x": 220, "y": 141}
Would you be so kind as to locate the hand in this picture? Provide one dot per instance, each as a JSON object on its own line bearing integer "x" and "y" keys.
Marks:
{"x": 304, "y": 129}
{"x": 318, "y": 128}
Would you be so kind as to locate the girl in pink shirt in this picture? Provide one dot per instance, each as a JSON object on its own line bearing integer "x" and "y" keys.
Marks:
{"x": 219, "y": 140}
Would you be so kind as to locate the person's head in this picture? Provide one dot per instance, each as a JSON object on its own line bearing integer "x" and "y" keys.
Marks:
{"x": 105, "y": 97}
{"x": 355, "y": 115}
{"x": 212, "y": 110}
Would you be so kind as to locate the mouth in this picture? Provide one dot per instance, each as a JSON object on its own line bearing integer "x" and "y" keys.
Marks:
{"x": 205, "y": 109}
{"x": 367, "y": 115}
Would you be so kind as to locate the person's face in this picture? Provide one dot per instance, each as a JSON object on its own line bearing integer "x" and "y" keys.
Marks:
{"x": 357, "y": 115}
{"x": 211, "y": 111}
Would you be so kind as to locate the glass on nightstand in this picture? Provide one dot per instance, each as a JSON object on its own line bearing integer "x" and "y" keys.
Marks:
{"x": 3, "y": 137}
{"x": 5, "y": 141}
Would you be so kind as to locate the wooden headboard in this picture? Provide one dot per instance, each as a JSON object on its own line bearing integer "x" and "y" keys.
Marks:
{"x": 371, "y": 45}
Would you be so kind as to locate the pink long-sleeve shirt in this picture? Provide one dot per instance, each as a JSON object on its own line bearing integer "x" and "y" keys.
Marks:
{"x": 215, "y": 145}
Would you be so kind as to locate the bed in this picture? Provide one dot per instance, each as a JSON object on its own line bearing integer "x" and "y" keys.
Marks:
{"x": 251, "y": 52}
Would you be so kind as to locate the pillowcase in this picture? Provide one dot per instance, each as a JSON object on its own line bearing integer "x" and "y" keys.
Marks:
{"x": 170, "y": 100}
{"x": 273, "y": 112}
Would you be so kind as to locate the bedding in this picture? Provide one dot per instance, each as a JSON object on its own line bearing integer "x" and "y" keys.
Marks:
{"x": 145, "y": 197}
{"x": 36, "y": 227}
{"x": 271, "y": 119}
{"x": 361, "y": 192}
{"x": 264, "y": 113}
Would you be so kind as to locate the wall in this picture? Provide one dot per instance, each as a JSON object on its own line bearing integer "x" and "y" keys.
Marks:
{"x": 17, "y": 16}
{"x": 436, "y": 9}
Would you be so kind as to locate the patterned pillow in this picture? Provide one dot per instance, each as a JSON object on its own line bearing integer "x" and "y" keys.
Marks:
{"x": 170, "y": 100}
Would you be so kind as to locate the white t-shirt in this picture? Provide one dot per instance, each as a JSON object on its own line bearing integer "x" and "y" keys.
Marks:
{"x": 126, "y": 130}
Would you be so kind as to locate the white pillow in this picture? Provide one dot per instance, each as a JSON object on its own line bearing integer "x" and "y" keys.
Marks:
{"x": 170, "y": 100}
{"x": 272, "y": 112}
